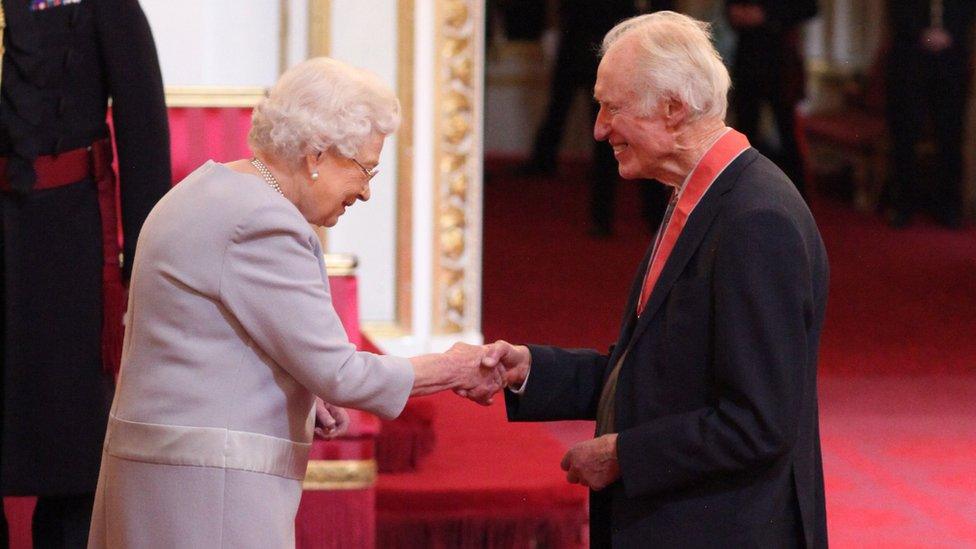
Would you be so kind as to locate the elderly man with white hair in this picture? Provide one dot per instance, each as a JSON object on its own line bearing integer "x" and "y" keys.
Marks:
{"x": 706, "y": 406}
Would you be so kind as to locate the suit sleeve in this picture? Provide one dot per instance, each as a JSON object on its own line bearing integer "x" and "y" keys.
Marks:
{"x": 139, "y": 113}
{"x": 563, "y": 384}
{"x": 271, "y": 282}
{"x": 762, "y": 302}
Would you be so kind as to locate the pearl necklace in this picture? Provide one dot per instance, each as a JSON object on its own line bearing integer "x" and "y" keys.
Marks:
{"x": 267, "y": 175}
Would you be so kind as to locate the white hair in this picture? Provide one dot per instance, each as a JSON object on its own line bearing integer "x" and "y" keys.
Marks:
{"x": 676, "y": 59}
{"x": 322, "y": 104}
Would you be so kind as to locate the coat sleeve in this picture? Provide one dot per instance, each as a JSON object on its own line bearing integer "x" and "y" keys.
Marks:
{"x": 563, "y": 384}
{"x": 139, "y": 113}
{"x": 763, "y": 304}
{"x": 271, "y": 282}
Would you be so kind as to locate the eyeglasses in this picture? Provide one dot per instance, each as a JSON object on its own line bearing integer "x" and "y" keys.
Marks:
{"x": 369, "y": 173}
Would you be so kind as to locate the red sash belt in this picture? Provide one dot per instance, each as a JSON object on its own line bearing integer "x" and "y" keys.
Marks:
{"x": 70, "y": 167}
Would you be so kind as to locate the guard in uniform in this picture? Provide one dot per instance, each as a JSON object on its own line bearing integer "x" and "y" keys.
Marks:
{"x": 61, "y": 274}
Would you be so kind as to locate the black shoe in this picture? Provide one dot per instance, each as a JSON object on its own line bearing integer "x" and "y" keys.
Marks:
{"x": 900, "y": 220}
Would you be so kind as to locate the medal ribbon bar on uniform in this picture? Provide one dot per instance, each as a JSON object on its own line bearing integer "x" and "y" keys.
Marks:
{"x": 38, "y": 5}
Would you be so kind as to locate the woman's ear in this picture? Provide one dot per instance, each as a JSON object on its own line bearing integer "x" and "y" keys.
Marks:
{"x": 312, "y": 166}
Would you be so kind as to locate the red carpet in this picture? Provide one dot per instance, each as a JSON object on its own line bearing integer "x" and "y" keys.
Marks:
{"x": 487, "y": 483}
{"x": 898, "y": 355}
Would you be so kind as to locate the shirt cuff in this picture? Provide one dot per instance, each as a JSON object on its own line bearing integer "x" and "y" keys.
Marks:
{"x": 525, "y": 382}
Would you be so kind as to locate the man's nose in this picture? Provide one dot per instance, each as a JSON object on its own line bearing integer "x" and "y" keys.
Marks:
{"x": 601, "y": 128}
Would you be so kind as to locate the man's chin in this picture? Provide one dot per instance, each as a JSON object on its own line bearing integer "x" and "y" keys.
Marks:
{"x": 628, "y": 173}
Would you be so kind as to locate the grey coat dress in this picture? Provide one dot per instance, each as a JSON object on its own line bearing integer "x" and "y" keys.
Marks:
{"x": 230, "y": 335}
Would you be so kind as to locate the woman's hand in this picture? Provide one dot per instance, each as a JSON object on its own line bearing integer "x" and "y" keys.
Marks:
{"x": 460, "y": 369}
{"x": 478, "y": 383}
{"x": 331, "y": 421}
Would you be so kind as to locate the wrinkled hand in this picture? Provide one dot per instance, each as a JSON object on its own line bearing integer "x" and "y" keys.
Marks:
{"x": 513, "y": 359}
{"x": 331, "y": 421}
{"x": 508, "y": 361}
{"x": 593, "y": 463}
{"x": 476, "y": 382}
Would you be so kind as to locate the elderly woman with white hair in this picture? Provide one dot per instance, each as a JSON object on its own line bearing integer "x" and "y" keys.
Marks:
{"x": 232, "y": 341}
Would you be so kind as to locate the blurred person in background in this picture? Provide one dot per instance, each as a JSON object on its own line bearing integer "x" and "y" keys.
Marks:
{"x": 768, "y": 70}
{"x": 928, "y": 78}
{"x": 582, "y": 25}
{"x": 62, "y": 290}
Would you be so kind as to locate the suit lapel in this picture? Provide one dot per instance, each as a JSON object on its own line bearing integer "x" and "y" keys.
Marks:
{"x": 627, "y": 322}
{"x": 691, "y": 237}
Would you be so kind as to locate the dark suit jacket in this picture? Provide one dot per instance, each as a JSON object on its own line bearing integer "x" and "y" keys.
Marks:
{"x": 716, "y": 403}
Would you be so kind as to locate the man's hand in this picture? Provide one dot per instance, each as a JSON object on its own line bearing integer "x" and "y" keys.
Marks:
{"x": 515, "y": 361}
{"x": 593, "y": 463}
{"x": 510, "y": 362}
{"x": 331, "y": 421}
{"x": 936, "y": 39}
{"x": 476, "y": 382}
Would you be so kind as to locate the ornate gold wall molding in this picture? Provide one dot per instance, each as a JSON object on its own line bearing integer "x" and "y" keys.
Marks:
{"x": 319, "y": 27}
{"x": 284, "y": 22}
{"x": 457, "y": 103}
{"x": 405, "y": 150}
{"x": 213, "y": 96}
{"x": 340, "y": 474}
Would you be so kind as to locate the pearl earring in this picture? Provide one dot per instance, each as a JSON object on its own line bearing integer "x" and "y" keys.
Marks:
{"x": 315, "y": 175}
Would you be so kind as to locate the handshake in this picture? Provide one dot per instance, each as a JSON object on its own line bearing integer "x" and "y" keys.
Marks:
{"x": 476, "y": 372}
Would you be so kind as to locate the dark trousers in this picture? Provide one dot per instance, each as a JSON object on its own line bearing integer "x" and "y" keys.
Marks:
{"x": 59, "y": 522}
{"x": 603, "y": 189}
{"x": 769, "y": 70}
{"x": 923, "y": 87}
{"x": 575, "y": 72}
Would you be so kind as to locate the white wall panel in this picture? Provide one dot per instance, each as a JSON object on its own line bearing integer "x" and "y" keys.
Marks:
{"x": 216, "y": 42}
{"x": 364, "y": 34}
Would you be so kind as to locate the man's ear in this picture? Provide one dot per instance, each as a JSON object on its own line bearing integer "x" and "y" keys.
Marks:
{"x": 675, "y": 112}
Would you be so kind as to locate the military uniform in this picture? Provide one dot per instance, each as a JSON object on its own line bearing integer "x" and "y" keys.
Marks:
{"x": 63, "y": 60}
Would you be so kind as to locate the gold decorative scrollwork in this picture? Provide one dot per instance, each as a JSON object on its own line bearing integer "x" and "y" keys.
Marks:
{"x": 340, "y": 474}
{"x": 458, "y": 160}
